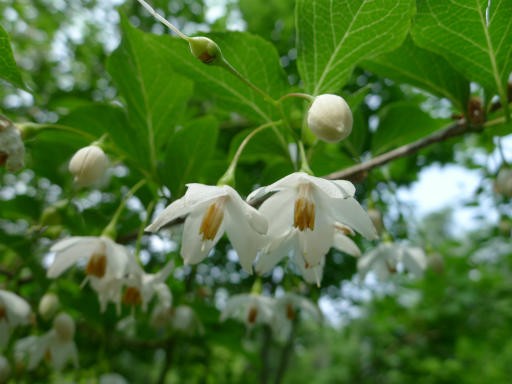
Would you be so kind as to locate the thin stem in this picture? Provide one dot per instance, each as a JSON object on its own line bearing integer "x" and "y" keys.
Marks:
{"x": 264, "y": 354}
{"x": 304, "y": 160}
{"x": 167, "y": 362}
{"x": 229, "y": 175}
{"x": 110, "y": 229}
{"x": 29, "y": 129}
{"x": 295, "y": 94}
{"x": 149, "y": 210}
{"x": 286, "y": 353}
{"x": 162, "y": 19}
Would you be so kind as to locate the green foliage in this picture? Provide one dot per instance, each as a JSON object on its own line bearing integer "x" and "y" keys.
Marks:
{"x": 8, "y": 69}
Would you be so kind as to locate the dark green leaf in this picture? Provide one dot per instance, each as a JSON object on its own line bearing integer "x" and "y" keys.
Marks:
{"x": 8, "y": 69}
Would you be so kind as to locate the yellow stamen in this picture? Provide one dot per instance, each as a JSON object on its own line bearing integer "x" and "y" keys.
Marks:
{"x": 3, "y": 312}
{"x": 212, "y": 220}
{"x": 97, "y": 265}
{"x": 344, "y": 229}
{"x": 252, "y": 315}
{"x": 304, "y": 213}
{"x": 132, "y": 296}
{"x": 290, "y": 312}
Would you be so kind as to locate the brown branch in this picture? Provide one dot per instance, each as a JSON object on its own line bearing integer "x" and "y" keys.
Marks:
{"x": 358, "y": 171}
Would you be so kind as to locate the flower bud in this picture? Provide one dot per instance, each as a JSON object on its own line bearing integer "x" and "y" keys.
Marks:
{"x": 48, "y": 305}
{"x": 330, "y": 118}
{"x": 12, "y": 150}
{"x": 205, "y": 49}
{"x": 503, "y": 183}
{"x": 64, "y": 326}
{"x": 88, "y": 165}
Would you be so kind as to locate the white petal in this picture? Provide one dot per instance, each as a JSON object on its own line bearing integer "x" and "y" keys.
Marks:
{"x": 247, "y": 213}
{"x": 314, "y": 244}
{"x": 17, "y": 309}
{"x": 118, "y": 259}
{"x": 414, "y": 260}
{"x": 349, "y": 212}
{"x": 177, "y": 209}
{"x": 345, "y": 244}
{"x": 276, "y": 250}
{"x": 278, "y": 210}
{"x": 335, "y": 189}
{"x": 70, "y": 251}
{"x": 193, "y": 248}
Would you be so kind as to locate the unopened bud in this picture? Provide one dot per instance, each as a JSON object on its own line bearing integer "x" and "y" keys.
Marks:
{"x": 64, "y": 326}
{"x": 48, "y": 305}
{"x": 330, "y": 118}
{"x": 503, "y": 182}
{"x": 205, "y": 49}
{"x": 12, "y": 150}
{"x": 88, "y": 165}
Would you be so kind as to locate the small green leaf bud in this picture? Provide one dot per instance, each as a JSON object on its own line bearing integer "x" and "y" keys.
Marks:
{"x": 330, "y": 118}
{"x": 205, "y": 49}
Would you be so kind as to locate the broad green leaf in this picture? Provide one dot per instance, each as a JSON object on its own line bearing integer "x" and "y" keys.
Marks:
{"x": 423, "y": 69}
{"x": 188, "y": 152}
{"x": 475, "y": 36}
{"x": 401, "y": 123}
{"x": 253, "y": 57}
{"x": 155, "y": 95}
{"x": 8, "y": 69}
{"x": 325, "y": 158}
{"x": 335, "y": 35}
{"x": 265, "y": 145}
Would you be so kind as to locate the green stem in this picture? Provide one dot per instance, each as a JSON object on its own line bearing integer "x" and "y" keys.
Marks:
{"x": 299, "y": 95}
{"x": 286, "y": 353}
{"x": 110, "y": 229}
{"x": 149, "y": 210}
{"x": 229, "y": 176}
{"x": 31, "y": 129}
{"x": 162, "y": 19}
{"x": 304, "y": 160}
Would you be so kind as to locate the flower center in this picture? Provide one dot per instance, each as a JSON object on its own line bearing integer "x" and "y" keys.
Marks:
{"x": 304, "y": 213}
{"x": 97, "y": 265}
{"x": 132, "y": 296}
{"x": 290, "y": 312}
{"x": 3, "y": 158}
{"x": 212, "y": 220}
{"x": 3, "y": 312}
{"x": 252, "y": 315}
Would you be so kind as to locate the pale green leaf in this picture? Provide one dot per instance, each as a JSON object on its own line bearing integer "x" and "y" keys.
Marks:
{"x": 475, "y": 36}
{"x": 335, "y": 35}
{"x": 155, "y": 95}
{"x": 253, "y": 57}
{"x": 423, "y": 69}
{"x": 8, "y": 69}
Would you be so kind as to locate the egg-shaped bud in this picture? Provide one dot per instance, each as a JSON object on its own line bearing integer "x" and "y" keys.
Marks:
{"x": 88, "y": 165}
{"x": 48, "y": 305}
{"x": 12, "y": 150}
{"x": 330, "y": 118}
{"x": 204, "y": 49}
{"x": 64, "y": 326}
{"x": 503, "y": 182}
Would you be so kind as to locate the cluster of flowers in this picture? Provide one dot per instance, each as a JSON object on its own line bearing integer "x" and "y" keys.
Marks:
{"x": 300, "y": 215}
{"x": 56, "y": 346}
{"x": 278, "y": 313}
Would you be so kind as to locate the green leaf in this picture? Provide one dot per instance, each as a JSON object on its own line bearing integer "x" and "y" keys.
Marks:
{"x": 155, "y": 95}
{"x": 423, "y": 69}
{"x": 253, "y": 57}
{"x": 335, "y": 35}
{"x": 8, "y": 69}
{"x": 402, "y": 123}
{"x": 188, "y": 151}
{"x": 475, "y": 36}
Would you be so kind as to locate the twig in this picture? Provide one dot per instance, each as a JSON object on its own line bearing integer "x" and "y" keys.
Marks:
{"x": 456, "y": 129}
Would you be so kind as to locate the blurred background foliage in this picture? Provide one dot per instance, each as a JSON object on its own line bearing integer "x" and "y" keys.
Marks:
{"x": 452, "y": 326}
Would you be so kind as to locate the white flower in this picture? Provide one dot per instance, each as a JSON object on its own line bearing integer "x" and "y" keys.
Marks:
{"x": 286, "y": 309}
{"x": 250, "y": 309}
{"x": 12, "y": 150}
{"x": 14, "y": 311}
{"x": 140, "y": 288}
{"x": 209, "y": 211}
{"x": 112, "y": 378}
{"x": 185, "y": 320}
{"x": 385, "y": 259}
{"x": 503, "y": 182}
{"x": 309, "y": 215}
{"x": 57, "y": 345}
{"x": 330, "y": 118}
{"x": 88, "y": 165}
{"x": 104, "y": 258}
{"x": 48, "y": 305}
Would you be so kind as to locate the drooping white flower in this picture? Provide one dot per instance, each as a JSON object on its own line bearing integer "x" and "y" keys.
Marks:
{"x": 330, "y": 118}
{"x": 12, "y": 150}
{"x": 306, "y": 215}
{"x": 141, "y": 288}
{"x": 250, "y": 309}
{"x": 88, "y": 165}
{"x": 385, "y": 259}
{"x": 57, "y": 345}
{"x": 209, "y": 211}
{"x": 14, "y": 311}
{"x": 286, "y": 309}
{"x": 104, "y": 258}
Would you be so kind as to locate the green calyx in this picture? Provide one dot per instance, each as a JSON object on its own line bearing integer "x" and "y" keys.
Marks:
{"x": 205, "y": 49}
